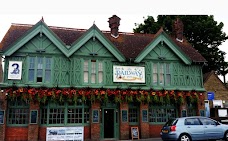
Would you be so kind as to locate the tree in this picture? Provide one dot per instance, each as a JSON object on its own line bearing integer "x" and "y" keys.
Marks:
{"x": 202, "y": 31}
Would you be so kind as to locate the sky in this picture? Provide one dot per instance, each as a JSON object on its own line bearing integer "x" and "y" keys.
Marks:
{"x": 82, "y": 14}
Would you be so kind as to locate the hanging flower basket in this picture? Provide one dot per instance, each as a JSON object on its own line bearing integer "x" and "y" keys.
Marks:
{"x": 154, "y": 98}
{"x": 43, "y": 95}
{"x": 180, "y": 99}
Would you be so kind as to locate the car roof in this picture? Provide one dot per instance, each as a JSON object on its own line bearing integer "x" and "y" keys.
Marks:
{"x": 191, "y": 117}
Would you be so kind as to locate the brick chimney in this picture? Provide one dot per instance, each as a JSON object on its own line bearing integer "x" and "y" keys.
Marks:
{"x": 178, "y": 30}
{"x": 114, "y": 23}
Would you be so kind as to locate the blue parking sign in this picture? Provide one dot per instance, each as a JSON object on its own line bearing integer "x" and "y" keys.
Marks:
{"x": 210, "y": 95}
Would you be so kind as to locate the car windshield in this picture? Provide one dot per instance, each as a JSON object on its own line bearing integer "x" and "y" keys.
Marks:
{"x": 171, "y": 122}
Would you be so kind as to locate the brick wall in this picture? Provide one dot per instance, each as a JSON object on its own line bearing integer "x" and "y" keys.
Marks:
{"x": 214, "y": 84}
{"x": 144, "y": 126}
{"x": 95, "y": 127}
{"x": 3, "y": 106}
{"x": 124, "y": 126}
{"x": 42, "y": 134}
{"x": 16, "y": 134}
{"x": 155, "y": 131}
{"x": 33, "y": 129}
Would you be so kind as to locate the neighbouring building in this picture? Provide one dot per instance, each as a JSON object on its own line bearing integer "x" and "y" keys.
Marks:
{"x": 88, "y": 84}
{"x": 216, "y": 98}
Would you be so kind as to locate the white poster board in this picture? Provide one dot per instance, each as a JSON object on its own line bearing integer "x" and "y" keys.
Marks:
{"x": 222, "y": 112}
{"x": 133, "y": 74}
{"x": 15, "y": 70}
{"x": 217, "y": 103}
{"x": 65, "y": 134}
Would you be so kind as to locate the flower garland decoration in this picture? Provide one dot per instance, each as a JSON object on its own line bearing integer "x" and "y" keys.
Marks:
{"x": 42, "y": 95}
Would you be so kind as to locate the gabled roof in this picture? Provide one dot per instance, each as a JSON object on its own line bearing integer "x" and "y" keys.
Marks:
{"x": 128, "y": 44}
{"x": 161, "y": 36}
{"x": 208, "y": 75}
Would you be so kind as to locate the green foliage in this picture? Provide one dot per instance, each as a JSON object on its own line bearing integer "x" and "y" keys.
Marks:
{"x": 202, "y": 31}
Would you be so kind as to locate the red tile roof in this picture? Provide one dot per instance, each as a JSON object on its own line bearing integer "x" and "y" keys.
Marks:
{"x": 129, "y": 44}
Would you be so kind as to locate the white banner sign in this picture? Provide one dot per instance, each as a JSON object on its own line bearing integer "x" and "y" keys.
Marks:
{"x": 132, "y": 74}
{"x": 65, "y": 134}
{"x": 15, "y": 70}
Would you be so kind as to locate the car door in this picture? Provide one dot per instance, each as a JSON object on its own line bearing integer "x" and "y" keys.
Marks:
{"x": 211, "y": 128}
{"x": 194, "y": 128}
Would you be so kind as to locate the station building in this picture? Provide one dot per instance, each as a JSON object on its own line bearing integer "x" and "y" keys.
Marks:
{"x": 87, "y": 84}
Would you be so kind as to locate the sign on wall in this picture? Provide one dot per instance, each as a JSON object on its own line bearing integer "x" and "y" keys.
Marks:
{"x": 124, "y": 115}
{"x": 15, "y": 70}
{"x": 210, "y": 95}
{"x": 95, "y": 116}
{"x": 144, "y": 115}
{"x": 65, "y": 133}
{"x": 132, "y": 74}
{"x": 33, "y": 116}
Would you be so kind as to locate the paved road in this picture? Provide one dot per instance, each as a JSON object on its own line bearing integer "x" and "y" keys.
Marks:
{"x": 151, "y": 139}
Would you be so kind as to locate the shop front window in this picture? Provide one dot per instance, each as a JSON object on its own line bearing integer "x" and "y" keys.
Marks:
{"x": 18, "y": 113}
{"x": 64, "y": 114}
{"x": 160, "y": 114}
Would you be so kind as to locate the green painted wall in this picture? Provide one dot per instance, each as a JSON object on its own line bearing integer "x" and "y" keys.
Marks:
{"x": 68, "y": 72}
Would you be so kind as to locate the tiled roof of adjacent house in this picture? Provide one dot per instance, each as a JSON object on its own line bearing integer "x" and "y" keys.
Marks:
{"x": 129, "y": 44}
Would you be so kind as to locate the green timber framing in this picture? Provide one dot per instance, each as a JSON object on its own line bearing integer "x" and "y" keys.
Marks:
{"x": 63, "y": 71}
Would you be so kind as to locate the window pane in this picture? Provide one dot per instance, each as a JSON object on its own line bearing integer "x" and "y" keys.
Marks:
{"x": 133, "y": 115}
{"x": 32, "y": 62}
{"x": 100, "y": 73}
{"x": 39, "y": 73}
{"x": 168, "y": 79}
{"x": 48, "y": 76}
{"x": 39, "y": 69}
{"x": 48, "y": 63}
{"x": 86, "y": 71}
{"x": 31, "y": 75}
{"x": 167, "y": 69}
{"x": 155, "y": 74}
{"x": 56, "y": 116}
{"x": 31, "y": 68}
{"x": 43, "y": 116}
{"x": 39, "y": 63}
{"x": 161, "y": 77}
{"x": 93, "y": 72}
{"x": 86, "y": 115}
{"x": 74, "y": 115}
{"x": 168, "y": 75}
{"x": 100, "y": 77}
{"x": 48, "y": 70}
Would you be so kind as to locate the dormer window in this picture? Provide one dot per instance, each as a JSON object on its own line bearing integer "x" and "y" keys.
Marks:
{"x": 93, "y": 72}
{"x": 39, "y": 70}
{"x": 161, "y": 74}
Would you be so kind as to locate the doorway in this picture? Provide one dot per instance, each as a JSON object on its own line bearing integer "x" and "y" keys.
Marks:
{"x": 109, "y": 123}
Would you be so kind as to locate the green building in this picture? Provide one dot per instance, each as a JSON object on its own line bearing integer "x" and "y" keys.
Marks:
{"x": 88, "y": 84}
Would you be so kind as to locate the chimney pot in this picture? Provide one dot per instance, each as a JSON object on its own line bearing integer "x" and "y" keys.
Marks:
{"x": 178, "y": 30}
{"x": 114, "y": 23}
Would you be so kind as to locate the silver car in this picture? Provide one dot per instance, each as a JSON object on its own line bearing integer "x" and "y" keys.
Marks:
{"x": 194, "y": 128}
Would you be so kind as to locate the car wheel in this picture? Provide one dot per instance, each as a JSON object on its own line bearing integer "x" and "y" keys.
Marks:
{"x": 185, "y": 137}
{"x": 226, "y": 136}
